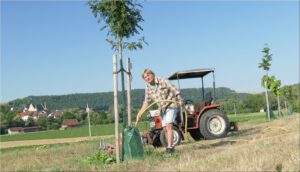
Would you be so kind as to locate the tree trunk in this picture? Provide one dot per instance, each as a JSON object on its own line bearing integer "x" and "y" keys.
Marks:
{"x": 286, "y": 109}
{"x": 116, "y": 108}
{"x": 267, "y": 99}
{"x": 89, "y": 121}
{"x": 234, "y": 109}
{"x": 123, "y": 93}
{"x": 279, "y": 109}
{"x": 129, "y": 91}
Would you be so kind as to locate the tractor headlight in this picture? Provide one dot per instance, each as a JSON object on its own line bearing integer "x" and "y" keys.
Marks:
{"x": 152, "y": 124}
{"x": 149, "y": 116}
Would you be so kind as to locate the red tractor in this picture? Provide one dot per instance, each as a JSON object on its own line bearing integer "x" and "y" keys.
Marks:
{"x": 203, "y": 119}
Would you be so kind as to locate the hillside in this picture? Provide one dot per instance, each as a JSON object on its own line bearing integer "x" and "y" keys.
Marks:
{"x": 102, "y": 101}
{"x": 243, "y": 102}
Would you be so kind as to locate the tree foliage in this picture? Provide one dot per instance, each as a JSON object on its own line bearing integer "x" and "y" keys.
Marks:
{"x": 272, "y": 84}
{"x": 121, "y": 18}
{"x": 291, "y": 94}
{"x": 266, "y": 60}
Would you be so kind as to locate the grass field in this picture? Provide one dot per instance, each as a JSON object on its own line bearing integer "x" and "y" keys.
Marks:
{"x": 98, "y": 130}
{"x": 248, "y": 117}
{"x": 108, "y": 129}
{"x": 257, "y": 117}
{"x": 257, "y": 146}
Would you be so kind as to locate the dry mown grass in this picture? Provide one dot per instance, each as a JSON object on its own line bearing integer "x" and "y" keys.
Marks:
{"x": 256, "y": 147}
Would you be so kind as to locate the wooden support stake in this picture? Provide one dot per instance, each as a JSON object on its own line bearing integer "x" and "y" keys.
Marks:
{"x": 129, "y": 91}
{"x": 267, "y": 99}
{"x": 115, "y": 68}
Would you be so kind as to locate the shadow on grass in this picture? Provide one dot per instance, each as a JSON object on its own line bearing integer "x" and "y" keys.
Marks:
{"x": 244, "y": 132}
{"x": 206, "y": 144}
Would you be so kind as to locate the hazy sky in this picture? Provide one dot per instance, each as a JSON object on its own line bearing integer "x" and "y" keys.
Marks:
{"x": 56, "y": 47}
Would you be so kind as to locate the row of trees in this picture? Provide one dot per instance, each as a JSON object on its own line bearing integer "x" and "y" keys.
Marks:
{"x": 270, "y": 83}
{"x": 254, "y": 103}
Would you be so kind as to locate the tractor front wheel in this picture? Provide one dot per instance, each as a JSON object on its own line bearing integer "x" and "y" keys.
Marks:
{"x": 177, "y": 137}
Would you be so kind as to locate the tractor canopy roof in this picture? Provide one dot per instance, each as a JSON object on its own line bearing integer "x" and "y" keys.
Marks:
{"x": 195, "y": 73}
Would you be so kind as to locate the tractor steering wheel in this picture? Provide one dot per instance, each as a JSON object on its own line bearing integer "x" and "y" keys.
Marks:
{"x": 188, "y": 101}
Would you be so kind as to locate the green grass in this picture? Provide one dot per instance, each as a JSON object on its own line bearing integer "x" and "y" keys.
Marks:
{"x": 206, "y": 155}
{"x": 108, "y": 129}
{"x": 248, "y": 117}
{"x": 257, "y": 117}
{"x": 98, "y": 130}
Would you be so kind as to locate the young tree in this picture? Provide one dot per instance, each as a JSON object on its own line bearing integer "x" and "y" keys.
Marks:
{"x": 265, "y": 64}
{"x": 96, "y": 118}
{"x": 275, "y": 89}
{"x": 17, "y": 122}
{"x": 273, "y": 85}
{"x": 42, "y": 122}
{"x": 68, "y": 115}
{"x": 287, "y": 93}
{"x": 29, "y": 122}
{"x": 121, "y": 18}
{"x": 4, "y": 108}
{"x": 53, "y": 123}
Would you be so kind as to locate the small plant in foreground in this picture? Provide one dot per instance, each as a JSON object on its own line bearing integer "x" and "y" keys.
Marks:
{"x": 279, "y": 168}
{"x": 100, "y": 158}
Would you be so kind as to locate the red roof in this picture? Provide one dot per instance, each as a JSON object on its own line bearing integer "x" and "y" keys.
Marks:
{"x": 71, "y": 122}
{"x": 16, "y": 129}
{"x": 23, "y": 114}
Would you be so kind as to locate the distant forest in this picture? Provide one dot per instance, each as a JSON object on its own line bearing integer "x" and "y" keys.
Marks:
{"x": 244, "y": 102}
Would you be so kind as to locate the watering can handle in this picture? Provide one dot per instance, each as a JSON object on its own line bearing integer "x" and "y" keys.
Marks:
{"x": 136, "y": 122}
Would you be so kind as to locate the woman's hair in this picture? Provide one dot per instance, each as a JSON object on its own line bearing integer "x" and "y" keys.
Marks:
{"x": 147, "y": 71}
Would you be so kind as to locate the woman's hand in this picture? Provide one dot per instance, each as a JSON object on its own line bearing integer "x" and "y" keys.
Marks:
{"x": 138, "y": 116}
{"x": 179, "y": 100}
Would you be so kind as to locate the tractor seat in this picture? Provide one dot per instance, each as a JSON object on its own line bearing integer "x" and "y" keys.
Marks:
{"x": 204, "y": 102}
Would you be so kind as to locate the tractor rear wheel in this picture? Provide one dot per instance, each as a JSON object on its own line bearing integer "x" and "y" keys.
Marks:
{"x": 214, "y": 124}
